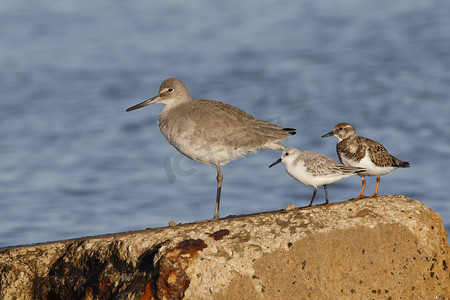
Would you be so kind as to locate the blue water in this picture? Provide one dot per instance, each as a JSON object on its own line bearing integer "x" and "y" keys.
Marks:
{"x": 74, "y": 163}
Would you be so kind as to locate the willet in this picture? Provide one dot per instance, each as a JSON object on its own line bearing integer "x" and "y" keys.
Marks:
{"x": 314, "y": 169}
{"x": 358, "y": 151}
{"x": 211, "y": 132}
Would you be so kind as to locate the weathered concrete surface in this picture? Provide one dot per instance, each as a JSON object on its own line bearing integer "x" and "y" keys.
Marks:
{"x": 389, "y": 247}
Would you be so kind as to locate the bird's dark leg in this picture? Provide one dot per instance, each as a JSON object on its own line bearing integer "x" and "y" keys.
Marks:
{"x": 326, "y": 193}
{"x": 219, "y": 188}
{"x": 314, "y": 194}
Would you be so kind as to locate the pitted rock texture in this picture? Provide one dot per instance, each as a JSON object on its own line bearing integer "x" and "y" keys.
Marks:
{"x": 389, "y": 247}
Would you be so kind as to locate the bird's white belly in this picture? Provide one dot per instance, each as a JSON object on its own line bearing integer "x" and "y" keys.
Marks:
{"x": 205, "y": 152}
{"x": 300, "y": 173}
{"x": 366, "y": 163}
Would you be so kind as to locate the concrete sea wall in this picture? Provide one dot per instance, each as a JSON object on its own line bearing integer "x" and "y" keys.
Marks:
{"x": 389, "y": 247}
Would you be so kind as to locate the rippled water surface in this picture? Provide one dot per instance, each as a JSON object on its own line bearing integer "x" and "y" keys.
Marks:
{"x": 74, "y": 163}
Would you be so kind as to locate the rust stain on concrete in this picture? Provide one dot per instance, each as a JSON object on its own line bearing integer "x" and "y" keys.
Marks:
{"x": 218, "y": 235}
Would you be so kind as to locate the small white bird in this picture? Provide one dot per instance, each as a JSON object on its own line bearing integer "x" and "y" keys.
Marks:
{"x": 314, "y": 169}
{"x": 358, "y": 151}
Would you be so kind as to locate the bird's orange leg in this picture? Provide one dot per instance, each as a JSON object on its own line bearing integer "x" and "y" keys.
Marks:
{"x": 361, "y": 195}
{"x": 376, "y": 188}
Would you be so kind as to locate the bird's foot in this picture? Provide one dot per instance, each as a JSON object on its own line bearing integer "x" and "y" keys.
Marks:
{"x": 359, "y": 197}
{"x": 206, "y": 220}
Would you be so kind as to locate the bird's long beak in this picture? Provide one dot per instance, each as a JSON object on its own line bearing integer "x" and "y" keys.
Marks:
{"x": 277, "y": 162}
{"x": 142, "y": 104}
{"x": 328, "y": 134}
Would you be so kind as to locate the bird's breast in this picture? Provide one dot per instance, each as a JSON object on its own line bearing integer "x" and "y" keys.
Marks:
{"x": 195, "y": 141}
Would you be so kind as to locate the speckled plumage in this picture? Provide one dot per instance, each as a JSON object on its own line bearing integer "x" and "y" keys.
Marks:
{"x": 211, "y": 132}
{"x": 358, "y": 151}
{"x": 314, "y": 169}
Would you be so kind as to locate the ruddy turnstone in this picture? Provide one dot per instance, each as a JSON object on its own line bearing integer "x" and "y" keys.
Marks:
{"x": 358, "y": 151}
{"x": 314, "y": 169}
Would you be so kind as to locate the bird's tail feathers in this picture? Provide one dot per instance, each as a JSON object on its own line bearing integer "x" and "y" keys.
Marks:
{"x": 291, "y": 131}
{"x": 403, "y": 164}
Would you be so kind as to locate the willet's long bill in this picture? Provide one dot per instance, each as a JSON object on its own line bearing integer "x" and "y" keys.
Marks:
{"x": 358, "y": 151}
{"x": 211, "y": 132}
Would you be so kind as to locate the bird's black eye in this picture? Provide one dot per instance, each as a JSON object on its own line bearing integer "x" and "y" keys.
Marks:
{"x": 170, "y": 90}
{"x": 340, "y": 128}
{"x": 286, "y": 154}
